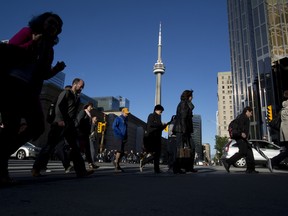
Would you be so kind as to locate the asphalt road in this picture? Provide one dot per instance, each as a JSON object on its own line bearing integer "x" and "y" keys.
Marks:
{"x": 211, "y": 191}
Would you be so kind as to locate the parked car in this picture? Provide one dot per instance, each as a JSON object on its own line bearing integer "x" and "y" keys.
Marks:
{"x": 268, "y": 148}
{"x": 28, "y": 150}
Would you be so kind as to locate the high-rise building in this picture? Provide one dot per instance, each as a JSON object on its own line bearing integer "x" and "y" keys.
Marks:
{"x": 111, "y": 103}
{"x": 57, "y": 80}
{"x": 258, "y": 33}
{"x": 123, "y": 102}
{"x": 207, "y": 153}
{"x": 197, "y": 136}
{"x": 225, "y": 103}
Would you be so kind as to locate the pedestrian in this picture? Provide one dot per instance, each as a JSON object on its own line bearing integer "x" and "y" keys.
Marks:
{"x": 62, "y": 149}
{"x": 275, "y": 161}
{"x": 241, "y": 136}
{"x": 120, "y": 131}
{"x": 172, "y": 145}
{"x": 153, "y": 138}
{"x": 94, "y": 141}
{"x": 84, "y": 124}
{"x": 26, "y": 61}
{"x": 64, "y": 126}
{"x": 183, "y": 128}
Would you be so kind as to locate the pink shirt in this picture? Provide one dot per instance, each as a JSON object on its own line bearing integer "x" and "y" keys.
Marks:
{"x": 23, "y": 38}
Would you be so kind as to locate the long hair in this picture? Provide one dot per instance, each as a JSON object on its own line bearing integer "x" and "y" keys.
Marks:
{"x": 37, "y": 23}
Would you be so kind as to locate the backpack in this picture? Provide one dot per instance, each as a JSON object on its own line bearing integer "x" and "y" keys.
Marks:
{"x": 233, "y": 129}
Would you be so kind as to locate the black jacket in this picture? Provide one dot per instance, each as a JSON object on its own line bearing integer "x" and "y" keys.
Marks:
{"x": 243, "y": 123}
{"x": 84, "y": 123}
{"x": 154, "y": 125}
{"x": 67, "y": 107}
{"x": 184, "y": 115}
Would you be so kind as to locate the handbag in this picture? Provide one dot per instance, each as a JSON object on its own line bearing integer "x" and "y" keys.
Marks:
{"x": 276, "y": 122}
{"x": 183, "y": 152}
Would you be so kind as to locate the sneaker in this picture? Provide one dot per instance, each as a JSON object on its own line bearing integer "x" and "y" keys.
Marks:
{"x": 46, "y": 170}
{"x": 93, "y": 166}
{"x": 269, "y": 165}
{"x": 226, "y": 165}
{"x": 69, "y": 169}
{"x": 118, "y": 169}
{"x": 35, "y": 173}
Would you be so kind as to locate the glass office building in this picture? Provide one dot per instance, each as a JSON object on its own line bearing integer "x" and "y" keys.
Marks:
{"x": 258, "y": 39}
{"x": 57, "y": 80}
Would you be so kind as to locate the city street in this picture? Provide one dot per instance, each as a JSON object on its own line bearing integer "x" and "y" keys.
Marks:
{"x": 211, "y": 191}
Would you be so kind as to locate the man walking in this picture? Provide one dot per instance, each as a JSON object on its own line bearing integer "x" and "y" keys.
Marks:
{"x": 120, "y": 133}
{"x": 241, "y": 137}
{"x": 64, "y": 127}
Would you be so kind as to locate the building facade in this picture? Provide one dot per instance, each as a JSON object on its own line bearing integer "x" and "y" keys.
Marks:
{"x": 111, "y": 103}
{"x": 57, "y": 80}
{"x": 258, "y": 40}
{"x": 197, "y": 136}
{"x": 225, "y": 112}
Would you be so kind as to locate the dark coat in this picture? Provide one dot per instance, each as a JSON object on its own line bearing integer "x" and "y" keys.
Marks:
{"x": 243, "y": 123}
{"x": 184, "y": 114}
{"x": 152, "y": 139}
{"x": 67, "y": 107}
{"x": 154, "y": 125}
{"x": 84, "y": 123}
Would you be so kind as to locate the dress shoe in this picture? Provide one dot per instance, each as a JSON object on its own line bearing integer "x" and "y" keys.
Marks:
{"x": 226, "y": 165}
{"x": 252, "y": 172}
{"x": 179, "y": 172}
{"x": 85, "y": 173}
{"x": 36, "y": 173}
{"x": 7, "y": 182}
{"x": 118, "y": 169}
{"x": 191, "y": 170}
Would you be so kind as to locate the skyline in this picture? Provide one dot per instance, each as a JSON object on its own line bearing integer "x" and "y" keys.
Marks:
{"x": 112, "y": 45}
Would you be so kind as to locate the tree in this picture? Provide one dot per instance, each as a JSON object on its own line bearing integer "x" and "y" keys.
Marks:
{"x": 220, "y": 143}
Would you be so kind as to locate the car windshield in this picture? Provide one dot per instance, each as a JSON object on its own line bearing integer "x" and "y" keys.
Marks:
{"x": 265, "y": 145}
{"x": 28, "y": 145}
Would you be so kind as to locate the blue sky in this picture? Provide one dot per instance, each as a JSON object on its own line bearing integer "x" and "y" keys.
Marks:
{"x": 112, "y": 45}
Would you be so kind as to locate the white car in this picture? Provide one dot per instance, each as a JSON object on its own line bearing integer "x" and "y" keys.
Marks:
{"x": 28, "y": 150}
{"x": 268, "y": 148}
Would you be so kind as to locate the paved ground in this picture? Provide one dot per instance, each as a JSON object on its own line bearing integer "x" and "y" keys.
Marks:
{"x": 211, "y": 191}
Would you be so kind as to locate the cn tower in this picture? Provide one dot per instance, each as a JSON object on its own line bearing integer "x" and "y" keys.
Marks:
{"x": 158, "y": 70}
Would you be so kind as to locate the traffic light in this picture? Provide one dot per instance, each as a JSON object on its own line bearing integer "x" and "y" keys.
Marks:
{"x": 269, "y": 113}
{"x": 99, "y": 127}
{"x": 166, "y": 128}
{"x": 103, "y": 126}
